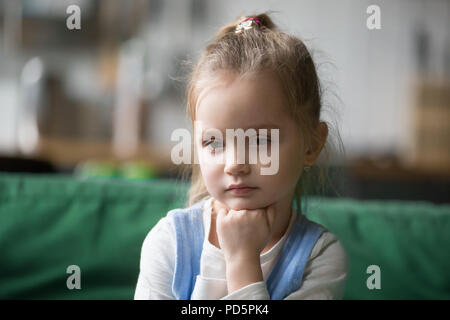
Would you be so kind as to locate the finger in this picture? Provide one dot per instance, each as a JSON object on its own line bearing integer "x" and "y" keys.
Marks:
{"x": 220, "y": 205}
{"x": 235, "y": 213}
{"x": 217, "y": 206}
{"x": 222, "y": 213}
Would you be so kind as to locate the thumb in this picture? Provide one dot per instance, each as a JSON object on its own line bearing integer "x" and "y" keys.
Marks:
{"x": 219, "y": 219}
{"x": 271, "y": 215}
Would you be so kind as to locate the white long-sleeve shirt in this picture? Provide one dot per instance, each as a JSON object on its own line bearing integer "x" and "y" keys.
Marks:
{"x": 324, "y": 276}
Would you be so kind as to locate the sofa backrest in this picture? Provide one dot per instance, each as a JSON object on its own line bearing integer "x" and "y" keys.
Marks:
{"x": 51, "y": 222}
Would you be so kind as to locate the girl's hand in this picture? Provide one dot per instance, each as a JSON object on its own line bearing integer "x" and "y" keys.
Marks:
{"x": 243, "y": 234}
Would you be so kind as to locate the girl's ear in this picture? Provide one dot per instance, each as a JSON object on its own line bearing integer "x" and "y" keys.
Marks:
{"x": 317, "y": 144}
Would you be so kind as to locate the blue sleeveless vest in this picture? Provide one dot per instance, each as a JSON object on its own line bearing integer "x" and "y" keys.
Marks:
{"x": 285, "y": 277}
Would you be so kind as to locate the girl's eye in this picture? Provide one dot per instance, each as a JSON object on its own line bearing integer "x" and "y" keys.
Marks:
{"x": 213, "y": 144}
{"x": 218, "y": 144}
{"x": 261, "y": 140}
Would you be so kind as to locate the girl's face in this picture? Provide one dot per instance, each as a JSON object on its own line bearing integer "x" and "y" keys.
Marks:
{"x": 250, "y": 103}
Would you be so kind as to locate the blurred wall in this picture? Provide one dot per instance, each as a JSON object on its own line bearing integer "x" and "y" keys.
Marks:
{"x": 370, "y": 76}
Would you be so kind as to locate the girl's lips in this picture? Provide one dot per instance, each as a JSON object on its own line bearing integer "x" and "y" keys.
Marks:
{"x": 241, "y": 190}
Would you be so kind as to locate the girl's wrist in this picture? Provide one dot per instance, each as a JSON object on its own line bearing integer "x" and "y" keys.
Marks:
{"x": 243, "y": 272}
{"x": 242, "y": 259}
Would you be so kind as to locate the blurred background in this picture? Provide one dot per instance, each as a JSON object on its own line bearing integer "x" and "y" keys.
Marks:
{"x": 102, "y": 101}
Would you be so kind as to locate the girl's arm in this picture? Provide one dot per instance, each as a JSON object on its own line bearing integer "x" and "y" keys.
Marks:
{"x": 155, "y": 277}
{"x": 242, "y": 236}
{"x": 324, "y": 276}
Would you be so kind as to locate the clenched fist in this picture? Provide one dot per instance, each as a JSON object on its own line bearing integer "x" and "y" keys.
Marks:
{"x": 243, "y": 234}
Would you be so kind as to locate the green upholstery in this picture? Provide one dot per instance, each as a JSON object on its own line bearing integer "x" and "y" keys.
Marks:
{"x": 48, "y": 223}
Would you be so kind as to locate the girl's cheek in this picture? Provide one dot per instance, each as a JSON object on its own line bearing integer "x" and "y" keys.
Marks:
{"x": 211, "y": 172}
{"x": 208, "y": 158}
{"x": 208, "y": 178}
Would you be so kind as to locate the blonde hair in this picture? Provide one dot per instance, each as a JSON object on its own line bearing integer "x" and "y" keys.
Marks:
{"x": 248, "y": 53}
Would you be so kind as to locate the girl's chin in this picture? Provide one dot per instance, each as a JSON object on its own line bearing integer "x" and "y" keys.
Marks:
{"x": 242, "y": 204}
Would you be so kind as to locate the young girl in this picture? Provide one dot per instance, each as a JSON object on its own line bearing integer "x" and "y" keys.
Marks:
{"x": 240, "y": 236}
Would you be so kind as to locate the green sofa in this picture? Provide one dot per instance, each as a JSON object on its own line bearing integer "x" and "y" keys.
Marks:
{"x": 50, "y": 222}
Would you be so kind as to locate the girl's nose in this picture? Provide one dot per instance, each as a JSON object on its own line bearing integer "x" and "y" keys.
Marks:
{"x": 236, "y": 169}
{"x": 237, "y": 162}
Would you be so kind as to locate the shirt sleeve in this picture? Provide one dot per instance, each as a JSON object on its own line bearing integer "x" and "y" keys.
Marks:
{"x": 156, "y": 264}
{"x": 325, "y": 273}
{"x": 324, "y": 277}
{"x": 253, "y": 291}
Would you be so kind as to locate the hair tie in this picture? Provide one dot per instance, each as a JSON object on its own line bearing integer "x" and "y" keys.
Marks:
{"x": 249, "y": 23}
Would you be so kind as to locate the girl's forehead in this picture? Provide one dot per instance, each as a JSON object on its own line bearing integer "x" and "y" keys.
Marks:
{"x": 207, "y": 128}
{"x": 255, "y": 100}
{"x": 234, "y": 116}
{"x": 208, "y": 122}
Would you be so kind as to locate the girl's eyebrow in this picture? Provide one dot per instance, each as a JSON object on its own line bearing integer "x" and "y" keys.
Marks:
{"x": 259, "y": 126}
{"x": 265, "y": 126}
